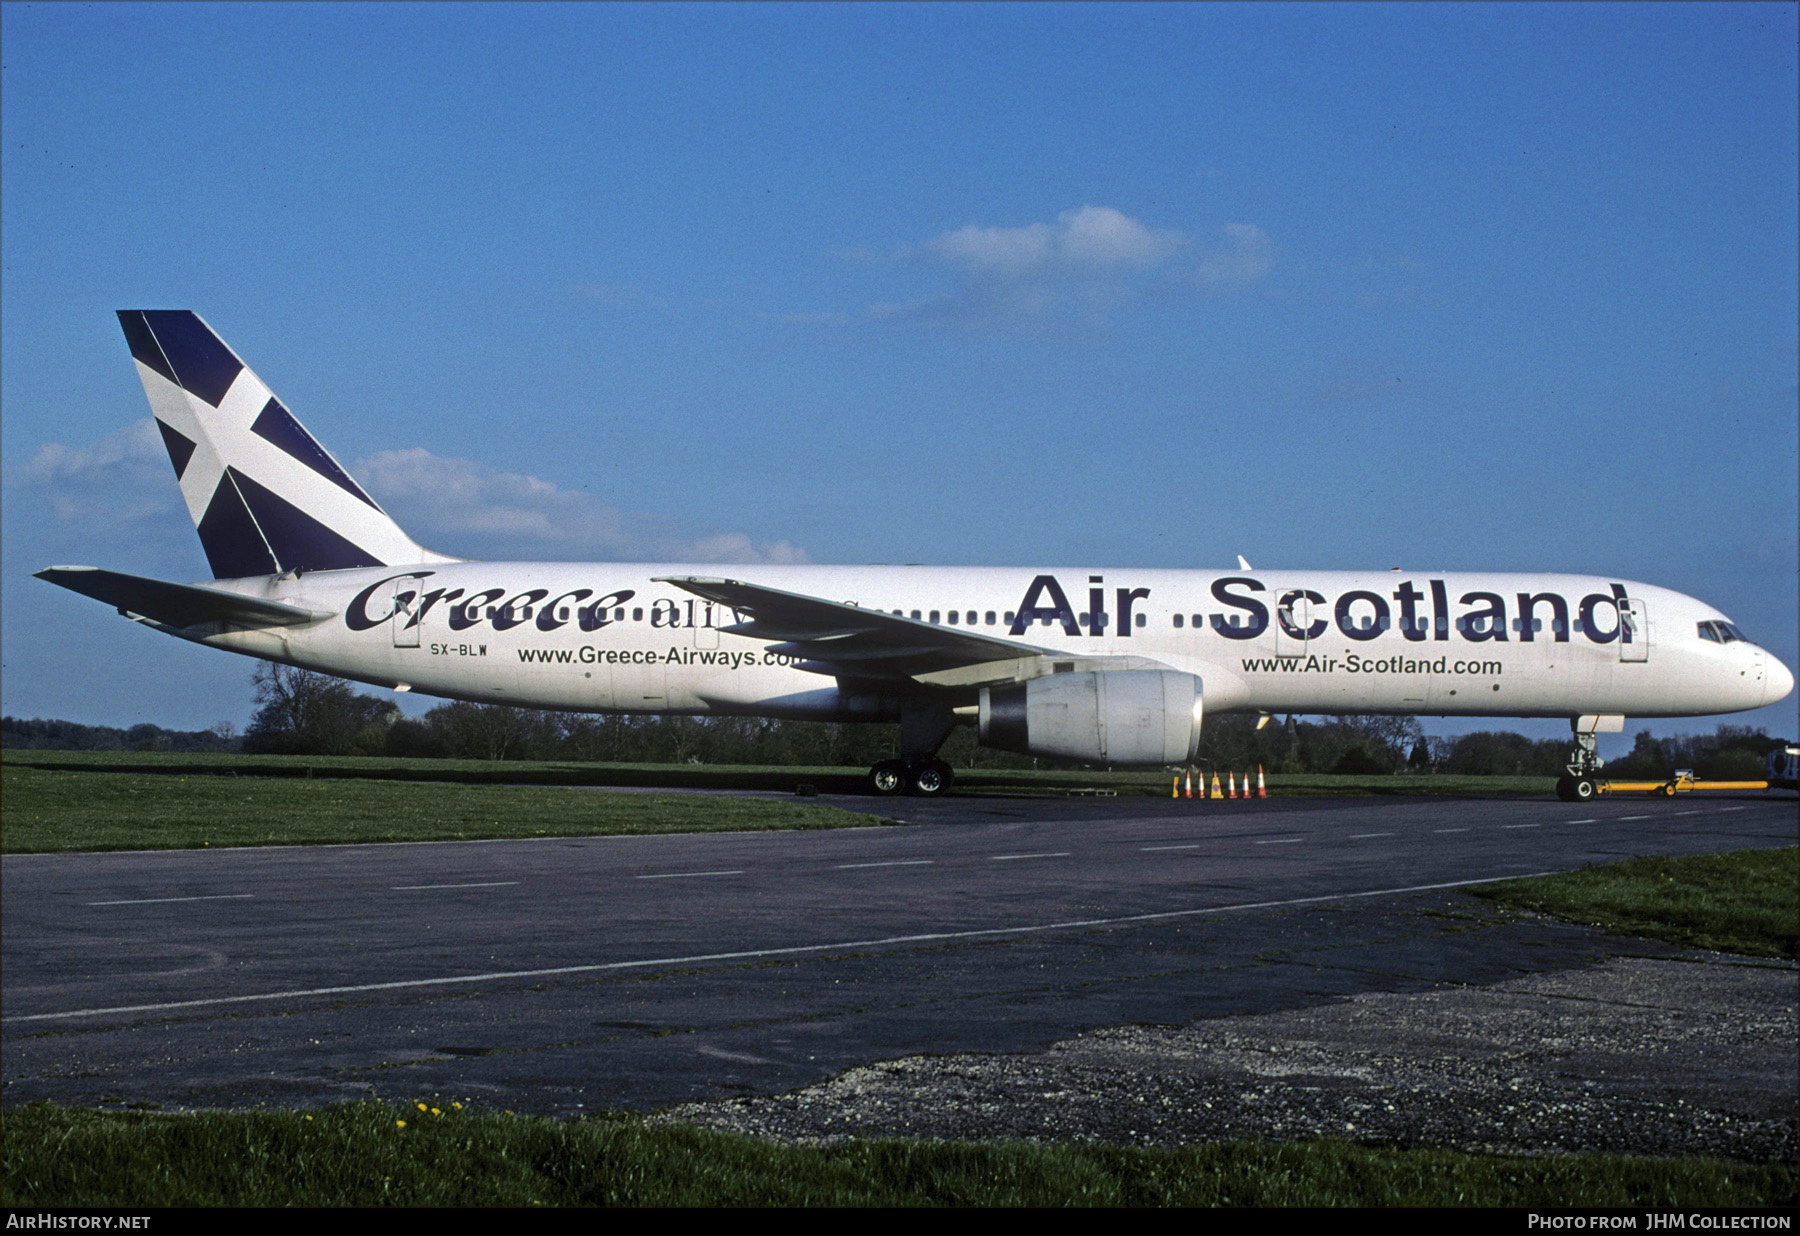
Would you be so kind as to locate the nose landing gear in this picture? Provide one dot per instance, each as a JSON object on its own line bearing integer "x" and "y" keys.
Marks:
{"x": 1581, "y": 782}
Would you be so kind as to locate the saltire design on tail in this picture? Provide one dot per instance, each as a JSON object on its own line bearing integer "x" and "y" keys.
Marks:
{"x": 265, "y": 497}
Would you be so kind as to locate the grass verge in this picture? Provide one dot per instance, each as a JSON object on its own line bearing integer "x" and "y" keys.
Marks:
{"x": 50, "y": 810}
{"x": 831, "y": 779}
{"x": 1747, "y": 901}
{"x": 371, "y": 1154}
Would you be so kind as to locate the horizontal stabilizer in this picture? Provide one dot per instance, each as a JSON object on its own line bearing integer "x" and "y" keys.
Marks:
{"x": 176, "y": 605}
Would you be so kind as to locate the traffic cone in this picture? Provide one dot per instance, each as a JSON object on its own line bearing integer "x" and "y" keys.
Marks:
{"x": 1216, "y": 793}
{"x": 1175, "y": 788}
{"x": 1190, "y": 783}
{"x": 1231, "y": 784}
{"x": 1261, "y": 790}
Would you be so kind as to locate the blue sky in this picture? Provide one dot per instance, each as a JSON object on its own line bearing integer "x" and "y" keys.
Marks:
{"x": 1449, "y": 287}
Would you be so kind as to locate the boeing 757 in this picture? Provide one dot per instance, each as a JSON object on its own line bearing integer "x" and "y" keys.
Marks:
{"x": 1104, "y": 665}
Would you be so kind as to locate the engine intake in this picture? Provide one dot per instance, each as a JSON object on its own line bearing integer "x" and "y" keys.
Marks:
{"x": 1110, "y": 717}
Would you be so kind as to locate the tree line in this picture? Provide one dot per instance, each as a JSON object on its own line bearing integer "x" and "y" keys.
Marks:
{"x": 302, "y": 713}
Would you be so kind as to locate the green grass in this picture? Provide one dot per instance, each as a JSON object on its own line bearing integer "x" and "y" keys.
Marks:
{"x": 373, "y": 1155}
{"x": 781, "y": 778}
{"x": 1746, "y": 902}
{"x": 50, "y": 810}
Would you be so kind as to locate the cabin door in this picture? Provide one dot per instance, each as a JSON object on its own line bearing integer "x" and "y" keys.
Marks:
{"x": 406, "y": 612}
{"x": 1634, "y": 631}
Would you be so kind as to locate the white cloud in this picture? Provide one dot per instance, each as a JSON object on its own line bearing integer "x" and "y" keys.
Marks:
{"x": 1094, "y": 238}
{"x": 1245, "y": 257}
{"x": 119, "y": 479}
{"x": 458, "y": 506}
{"x": 1089, "y": 263}
{"x": 463, "y": 507}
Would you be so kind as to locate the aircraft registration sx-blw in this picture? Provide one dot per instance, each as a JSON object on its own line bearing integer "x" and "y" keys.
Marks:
{"x": 1108, "y": 666}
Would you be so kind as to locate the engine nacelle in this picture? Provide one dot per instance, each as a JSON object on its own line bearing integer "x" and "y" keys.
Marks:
{"x": 1109, "y": 717}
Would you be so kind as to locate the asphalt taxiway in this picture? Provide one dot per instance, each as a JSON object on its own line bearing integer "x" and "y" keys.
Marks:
{"x": 565, "y": 975}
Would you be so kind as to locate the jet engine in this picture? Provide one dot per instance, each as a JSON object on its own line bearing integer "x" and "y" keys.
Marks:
{"x": 1108, "y": 717}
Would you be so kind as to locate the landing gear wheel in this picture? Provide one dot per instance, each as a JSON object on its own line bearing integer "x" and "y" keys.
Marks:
{"x": 888, "y": 778}
{"x": 931, "y": 779}
{"x": 1576, "y": 789}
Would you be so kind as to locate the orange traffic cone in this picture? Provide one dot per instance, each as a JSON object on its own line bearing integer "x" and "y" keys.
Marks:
{"x": 1231, "y": 784}
{"x": 1190, "y": 783}
{"x": 1261, "y": 790}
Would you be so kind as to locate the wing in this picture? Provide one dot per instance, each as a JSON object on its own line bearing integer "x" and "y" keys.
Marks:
{"x": 176, "y": 605}
{"x": 830, "y": 637}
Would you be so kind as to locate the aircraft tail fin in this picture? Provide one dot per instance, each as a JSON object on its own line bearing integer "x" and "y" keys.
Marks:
{"x": 265, "y": 497}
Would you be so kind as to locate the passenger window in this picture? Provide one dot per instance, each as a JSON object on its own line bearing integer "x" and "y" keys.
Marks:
{"x": 915, "y": 615}
{"x": 637, "y": 615}
{"x": 990, "y": 617}
{"x": 934, "y": 617}
{"x": 1139, "y": 618}
{"x": 1178, "y": 622}
{"x": 952, "y": 617}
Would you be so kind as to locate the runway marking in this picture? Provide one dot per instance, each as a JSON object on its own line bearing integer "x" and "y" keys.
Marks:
{"x": 687, "y": 875}
{"x": 1151, "y": 848}
{"x": 752, "y": 954}
{"x": 157, "y": 901}
{"x": 1734, "y": 808}
{"x": 408, "y": 888}
{"x": 1281, "y": 841}
{"x": 1007, "y": 858}
{"x": 1360, "y": 836}
{"x": 1449, "y": 830}
{"x": 1521, "y": 826}
{"x": 1631, "y": 817}
{"x": 1582, "y": 821}
{"x": 899, "y": 862}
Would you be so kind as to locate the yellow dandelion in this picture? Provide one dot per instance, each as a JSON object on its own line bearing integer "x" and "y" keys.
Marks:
{"x": 401, "y": 1123}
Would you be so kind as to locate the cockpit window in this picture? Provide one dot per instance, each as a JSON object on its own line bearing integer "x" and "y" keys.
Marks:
{"x": 1722, "y": 632}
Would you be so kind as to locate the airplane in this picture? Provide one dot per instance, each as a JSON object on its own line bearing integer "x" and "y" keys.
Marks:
{"x": 1107, "y": 666}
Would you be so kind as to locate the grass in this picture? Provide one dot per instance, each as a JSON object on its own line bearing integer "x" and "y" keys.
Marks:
{"x": 780, "y": 778}
{"x": 1745, "y": 902}
{"x": 52, "y": 810}
{"x": 434, "y": 1154}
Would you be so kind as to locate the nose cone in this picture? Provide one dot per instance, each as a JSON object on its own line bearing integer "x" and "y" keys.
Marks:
{"x": 1778, "y": 680}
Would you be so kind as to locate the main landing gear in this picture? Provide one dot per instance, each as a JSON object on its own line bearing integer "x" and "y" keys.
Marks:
{"x": 1581, "y": 782}
{"x": 921, "y": 775}
{"x": 924, "y": 725}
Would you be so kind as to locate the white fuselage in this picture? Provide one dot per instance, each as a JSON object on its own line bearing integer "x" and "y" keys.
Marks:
{"x": 605, "y": 637}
